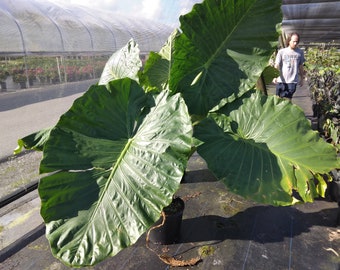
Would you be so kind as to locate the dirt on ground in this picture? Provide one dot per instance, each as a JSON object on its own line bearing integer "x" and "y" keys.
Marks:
{"x": 18, "y": 171}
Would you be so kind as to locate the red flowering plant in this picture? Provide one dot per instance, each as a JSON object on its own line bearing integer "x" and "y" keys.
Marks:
{"x": 40, "y": 74}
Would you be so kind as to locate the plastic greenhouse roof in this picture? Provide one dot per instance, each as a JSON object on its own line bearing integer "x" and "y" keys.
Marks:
{"x": 316, "y": 21}
{"x": 44, "y": 27}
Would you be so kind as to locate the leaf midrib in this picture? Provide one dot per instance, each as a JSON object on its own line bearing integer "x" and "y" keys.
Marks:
{"x": 228, "y": 37}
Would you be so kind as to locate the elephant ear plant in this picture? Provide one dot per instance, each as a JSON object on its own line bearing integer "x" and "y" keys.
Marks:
{"x": 116, "y": 158}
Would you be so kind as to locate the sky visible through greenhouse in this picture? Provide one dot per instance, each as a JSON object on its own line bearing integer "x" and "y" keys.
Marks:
{"x": 165, "y": 11}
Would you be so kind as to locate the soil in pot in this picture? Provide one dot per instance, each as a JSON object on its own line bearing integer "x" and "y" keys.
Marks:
{"x": 168, "y": 228}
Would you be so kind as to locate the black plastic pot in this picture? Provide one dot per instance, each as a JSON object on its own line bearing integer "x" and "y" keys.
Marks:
{"x": 169, "y": 232}
{"x": 23, "y": 85}
{"x": 3, "y": 86}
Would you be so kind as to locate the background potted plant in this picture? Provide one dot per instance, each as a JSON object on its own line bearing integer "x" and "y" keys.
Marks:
{"x": 3, "y": 76}
{"x": 19, "y": 77}
{"x": 116, "y": 158}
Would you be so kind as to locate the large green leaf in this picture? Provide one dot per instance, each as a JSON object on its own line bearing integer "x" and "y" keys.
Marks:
{"x": 269, "y": 73}
{"x": 224, "y": 47}
{"x": 156, "y": 73}
{"x": 263, "y": 148}
{"x": 114, "y": 169}
{"x": 123, "y": 63}
{"x": 34, "y": 141}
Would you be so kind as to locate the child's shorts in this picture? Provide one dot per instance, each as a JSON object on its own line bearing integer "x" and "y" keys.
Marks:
{"x": 285, "y": 90}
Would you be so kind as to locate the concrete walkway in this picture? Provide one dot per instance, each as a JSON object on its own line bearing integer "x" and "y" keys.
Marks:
{"x": 25, "y": 111}
{"x": 239, "y": 234}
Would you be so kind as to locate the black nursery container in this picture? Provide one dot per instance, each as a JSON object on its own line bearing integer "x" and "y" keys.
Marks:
{"x": 169, "y": 232}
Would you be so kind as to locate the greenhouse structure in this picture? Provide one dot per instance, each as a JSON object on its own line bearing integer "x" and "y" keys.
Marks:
{"x": 46, "y": 43}
{"x": 316, "y": 21}
{"x": 187, "y": 157}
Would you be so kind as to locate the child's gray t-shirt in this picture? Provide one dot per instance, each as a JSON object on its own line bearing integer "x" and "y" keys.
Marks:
{"x": 289, "y": 61}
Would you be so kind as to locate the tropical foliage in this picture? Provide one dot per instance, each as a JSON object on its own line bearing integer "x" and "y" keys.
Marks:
{"x": 323, "y": 70}
{"x": 116, "y": 158}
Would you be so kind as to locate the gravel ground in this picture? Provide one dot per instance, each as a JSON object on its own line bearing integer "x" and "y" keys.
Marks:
{"x": 18, "y": 171}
